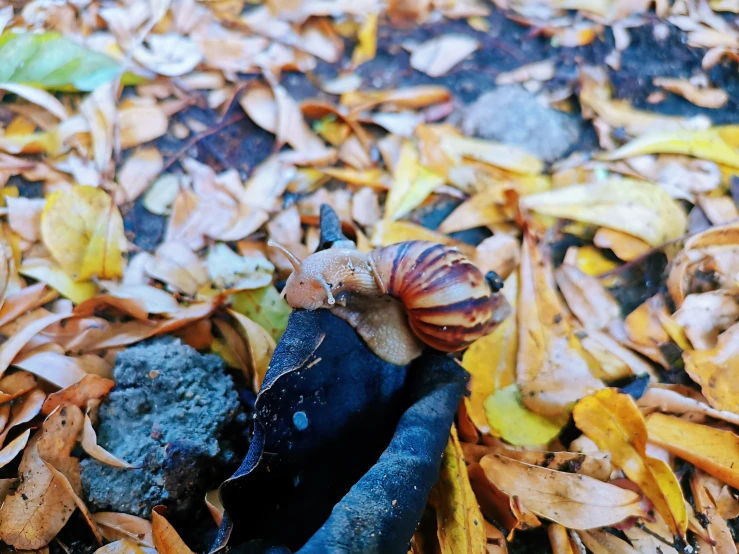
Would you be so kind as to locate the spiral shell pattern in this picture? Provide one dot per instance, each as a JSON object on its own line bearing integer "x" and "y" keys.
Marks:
{"x": 447, "y": 299}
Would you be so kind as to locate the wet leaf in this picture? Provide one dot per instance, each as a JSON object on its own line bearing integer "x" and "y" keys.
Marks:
{"x": 460, "y": 526}
{"x": 515, "y": 424}
{"x": 613, "y": 421}
{"x": 574, "y": 501}
{"x": 491, "y": 363}
{"x": 88, "y": 244}
{"x": 715, "y": 370}
{"x": 437, "y": 56}
{"x": 635, "y": 207}
{"x": 713, "y": 450}
{"x": 166, "y": 539}
{"x": 51, "y": 61}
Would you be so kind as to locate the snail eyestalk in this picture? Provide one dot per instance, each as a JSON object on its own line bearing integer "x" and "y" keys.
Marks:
{"x": 292, "y": 258}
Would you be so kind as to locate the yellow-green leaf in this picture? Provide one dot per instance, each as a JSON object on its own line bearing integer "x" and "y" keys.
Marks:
{"x": 265, "y": 307}
{"x": 705, "y": 144}
{"x": 460, "y": 525}
{"x": 517, "y": 425}
{"x": 83, "y": 230}
{"x": 614, "y": 423}
{"x": 53, "y": 275}
{"x": 412, "y": 183}
{"x": 493, "y": 153}
{"x": 367, "y": 41}
{"x": 638, "y": 208}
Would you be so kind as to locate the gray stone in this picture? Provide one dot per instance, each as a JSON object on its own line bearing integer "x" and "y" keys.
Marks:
{"x": 167, "y": 412}
{"x": 514, "y": 116}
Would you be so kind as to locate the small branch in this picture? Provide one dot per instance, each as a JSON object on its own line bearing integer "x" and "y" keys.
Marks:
{"x": 218, "y": 127}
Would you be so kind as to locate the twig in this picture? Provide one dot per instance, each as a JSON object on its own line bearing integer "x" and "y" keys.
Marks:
{"x": 685, "y": 548}
{"x": 200, "y": 136}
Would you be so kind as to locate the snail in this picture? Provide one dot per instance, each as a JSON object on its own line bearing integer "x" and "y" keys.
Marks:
{"x": 441, "y": 296}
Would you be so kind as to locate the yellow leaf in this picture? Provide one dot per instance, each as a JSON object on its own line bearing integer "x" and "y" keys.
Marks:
{"x": 716, "y": 370}
{"x": 460, "y": 527}
{"x": 166, "y": 539}
{"x": 491, "y": 361}
{"x": 375, "y": 178}
{"x": 572, "y": 500}
{"x": 713, "y": 450}
{"x": 590, "y": 260}
{"x": 391, "y": 232}
{"x": 412, "y": 184}
{"x": 705, "y": 144}
{"x": 480, "y": 210}
{"x": 552, "y": 368}
{"x": 51, "y": 274}
{"x": 559, "y": 539}
{"x": 638, "y": 208}
{"x": 515, "y": 424}
{"x": 493, "y": 153}
{"x": 625, "y": 246}
{"x": 613, "y": 421}
{"x": 366, "y": 41}
{"x": 260, "y": 346}
{"x": 83, "y": 230}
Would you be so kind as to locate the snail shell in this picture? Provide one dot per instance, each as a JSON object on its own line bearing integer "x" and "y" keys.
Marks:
{"x": 447, "y": 300}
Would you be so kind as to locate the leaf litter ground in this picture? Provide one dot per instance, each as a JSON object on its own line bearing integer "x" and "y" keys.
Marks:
{"x": 621, "y": 257}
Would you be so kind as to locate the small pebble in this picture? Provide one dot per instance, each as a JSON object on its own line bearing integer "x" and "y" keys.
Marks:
{"x": 300, "y": 420}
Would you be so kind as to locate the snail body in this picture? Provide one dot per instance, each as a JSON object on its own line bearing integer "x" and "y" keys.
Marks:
{"x": 447, "y": 300}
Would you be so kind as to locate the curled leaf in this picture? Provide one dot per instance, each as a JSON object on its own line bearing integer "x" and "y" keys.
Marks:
{"x": 90, "y": 445}
{"x": 115, "y": 526}
{"x": 90, "y": 387}
{"x": 166, "y": 539}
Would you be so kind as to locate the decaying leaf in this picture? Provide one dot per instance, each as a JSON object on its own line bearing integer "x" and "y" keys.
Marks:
{"x": 459, "y": 521}
{"x": 574, "y": 501}
{"x": 613, "y": 421}
{"x": 89, "y": 243}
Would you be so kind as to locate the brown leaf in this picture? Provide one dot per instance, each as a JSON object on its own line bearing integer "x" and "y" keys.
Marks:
{"x": 24, "y": 410}
{"x": 90, "y": 445}
{"x": 90, "y": 387}
{"x": 139, "y": 171}
{"x": 16, "y": 384}
{"x": 715, "y": 370}
{"x": 24, "y": 216}
{"x": 59, "y": 436}
{"x": 166, "y": 539}
{"x": 22, "y": 301}
{"x": 178, "y": 266}
{"x": 138, "y": 301}
{"x": 13, "y": 448}
{"x": 63, "y": 371}
{"x": 140, "y": 124}
{"x": 36, "y": 512}
{"x": 703, "y": 96}
{"x": 116, "y": 526}
{"x": 10, "y": 348}
{"x": 722, "y": 541}
{"x": 575, "y": 501}
{"x": 437, "y": 56}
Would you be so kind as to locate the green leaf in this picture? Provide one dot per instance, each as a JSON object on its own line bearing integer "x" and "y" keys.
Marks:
{"x": 52, "y": 62}
{"x": 515, "y": 423}
{"x": 264, "y": 306}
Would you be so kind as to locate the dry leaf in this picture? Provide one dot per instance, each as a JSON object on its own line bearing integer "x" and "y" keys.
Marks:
{"x": 412, "y": 184}
{"x": 552, "y": 371}
{"x": 90, "y": 445}
{"x": 720, "y": 538}
{"x": 635, "y": 207}
{"x": 704, "y": 316}
{"x": 137, "y": 301}
{"x": 228, "y": 270}
{"x": 16, "y": 384}
{"x": 139, "y": 171}
{"x": 437, "y": 56}
{"x": 714, "y": 451}
{"x": 88, "y": 244}
{"x": 260, "y": 346}
{"x": 140, "y": 124}
{"x": 574, "y": 501}
{"x": 500, "y": 253}
{"x": 493, "y": 153}
{"x": 24, "y": 216}
{"x": 213, "y": 501}
{"x": 601, "y": 542}
{"x": 50, "y": 273}
{"x": 166, "y": 539}
{"x": 613, "y": 421}
{"x": 90, "y": 387}
{"x": 116, "y": 526}
{"x": 178, "y": 266}
{"x": 588, "y": 299}
{"x": 36, "y": 512}
{"x": 11, "y": 347}
{"x": 62, "y": 371}
{"x": 536, "y": 71}
{"x": 706, "y": 97}
{"x": 13, "y": 448}
{"x": 169, "y": 54}
{"x": 626, "y": 247}
{"x": 459, "y": 521}
{"x": 124, "y": 546}
{"x": 715, "y": 370}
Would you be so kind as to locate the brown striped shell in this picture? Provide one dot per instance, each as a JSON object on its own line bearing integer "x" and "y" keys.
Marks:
{"x": 446, "y": 298}
{"x": 448, "y": 301}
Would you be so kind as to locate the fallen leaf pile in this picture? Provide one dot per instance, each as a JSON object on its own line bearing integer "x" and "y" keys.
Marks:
{"x": 613, "y": 428}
